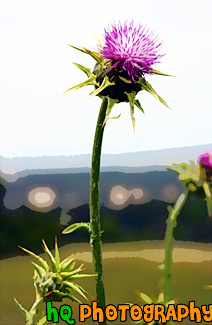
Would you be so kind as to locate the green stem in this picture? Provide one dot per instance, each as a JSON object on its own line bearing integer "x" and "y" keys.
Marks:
{"x": 33, "y": 313}
{"x": 171, "y": 224}
{"x": 94, "y": 207}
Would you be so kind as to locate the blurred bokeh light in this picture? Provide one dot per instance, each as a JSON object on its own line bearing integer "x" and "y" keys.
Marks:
{"x": 120, "y": 196}
{"x": 42, "y": 197}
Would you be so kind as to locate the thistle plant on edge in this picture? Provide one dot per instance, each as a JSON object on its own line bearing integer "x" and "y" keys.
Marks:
{"x": 53, "y": 283}
{"x": 122, "y": 64}
{"x": 195, "y": 179}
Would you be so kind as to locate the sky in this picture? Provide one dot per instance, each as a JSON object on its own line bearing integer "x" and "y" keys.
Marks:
{"x": 36, "y": 68}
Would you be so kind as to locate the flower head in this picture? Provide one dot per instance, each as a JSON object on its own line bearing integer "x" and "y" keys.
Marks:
{"x": 121, "y": 65}
{"x": 131, "y": 50}
{"x": 194, "y": 177}
{"x": 205, "y": 161}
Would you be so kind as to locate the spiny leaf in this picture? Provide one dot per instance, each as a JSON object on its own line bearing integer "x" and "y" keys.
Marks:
{"x": 97, "y": 40}
{"x": 57, "y": 255}
{"x": 113, "y": 118}
{"x": 110, "y": 103}
{"x": 146, "y": 85}
{"x": 138, "y": 104}
{"x": 81, "y": 49}
{"x": 42, "y": 321}
{"x": 145, "y": 298}
{"x": 125, "y": 80}
{"x": 183, "y": 177}
{"x": 132, "y": 117}
{"x": 193, "y": 164}
{"x": 181, "y": 199}
{"x": 171, "y": 302}
{"x": 76, "y": 288}
{"x": 79, "y": 269}
{"x": 81, "y": 276}
{"x": 84, "y": 69}
{"x": 73, "y": 298}
{"x": 76, "y": 226}
{"x": 207, "y": 191}
{"x": 106, "y": 83}
{"x": 95, "y": 55}
{"x": 179, "y": 168}
{"x": 161, "y": 73}
{"x": 65, "y": 275}
{"x": 22, "y": 309}
{"x": 161, "y": 267}
{"x": 51, "y": 257}
{"x": 67, "y": 259}
{"x": 40, "y": 271}
{"x": 40, "y": 259}
{"x": 90, "y": 81}
{"x": 169, "y": 208}
{"x": 131, "y": 98}
{"x": 66, "y": 264}
{"x": 160, "y": 298}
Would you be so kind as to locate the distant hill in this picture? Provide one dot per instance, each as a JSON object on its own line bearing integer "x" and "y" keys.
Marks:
{"x": 134, "y": 159}
{"x": 135, "y": 190}
{"x": 78, "y": 170}
{"x": 72, "y": 190}
{"x": 147, "y": 221}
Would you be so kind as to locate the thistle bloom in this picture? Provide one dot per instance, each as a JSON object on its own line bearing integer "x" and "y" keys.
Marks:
{"x": 122, "y": 63}
{"x": 205, "y": 161}
{"x": 195, "y": 178}
{"x": 131, "y": 50}
{"x": 118, "y": 75}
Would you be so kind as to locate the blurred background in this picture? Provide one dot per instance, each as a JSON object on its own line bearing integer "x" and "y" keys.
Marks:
{"x": 46, "y": 144}
{"x": 134, "y": 196}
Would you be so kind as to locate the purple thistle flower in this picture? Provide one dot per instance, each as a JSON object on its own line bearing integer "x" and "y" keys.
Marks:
{"x": 205, "y": 161}
{"x": 131, "y": 50}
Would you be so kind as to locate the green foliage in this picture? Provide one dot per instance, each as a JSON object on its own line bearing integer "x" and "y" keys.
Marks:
{"x": 161, "y": 73}
{"x": 192, "y": 178}
{"x": 21, "y": 308}
{"x": 53, "y": 282}
{"x": 159, "y": 300}
{"x": 144, "y": 275}
{"x": 76, "y": 226}
{"x": 146, "y": 86}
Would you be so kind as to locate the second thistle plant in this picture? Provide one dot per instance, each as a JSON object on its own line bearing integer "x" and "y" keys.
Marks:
{"x": 195, "y": 178}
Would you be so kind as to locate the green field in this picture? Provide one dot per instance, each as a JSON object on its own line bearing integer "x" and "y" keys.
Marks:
{"x": 128, "y": 267}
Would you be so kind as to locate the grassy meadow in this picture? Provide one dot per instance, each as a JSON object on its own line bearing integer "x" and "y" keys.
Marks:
{"x": 128, "y": 267}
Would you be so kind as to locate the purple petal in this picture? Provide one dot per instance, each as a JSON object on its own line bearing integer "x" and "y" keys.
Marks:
{"x": 131, "y": 49}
